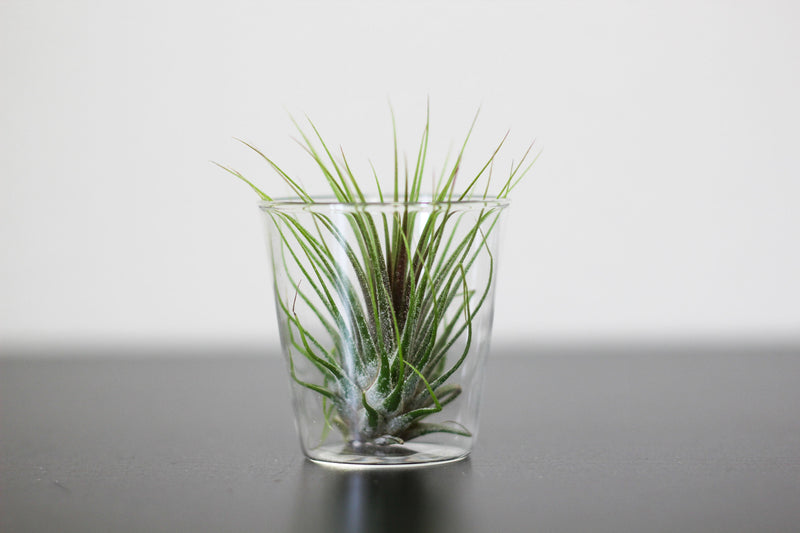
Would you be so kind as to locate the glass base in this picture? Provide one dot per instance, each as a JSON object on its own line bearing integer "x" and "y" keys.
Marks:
{"x": 409, "y": 454}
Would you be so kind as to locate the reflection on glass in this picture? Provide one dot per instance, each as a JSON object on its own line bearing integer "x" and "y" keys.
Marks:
{"x": 385, "y": 500}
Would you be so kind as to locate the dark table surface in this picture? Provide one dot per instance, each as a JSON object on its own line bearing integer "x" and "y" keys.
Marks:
{"x": 632, "y": 439}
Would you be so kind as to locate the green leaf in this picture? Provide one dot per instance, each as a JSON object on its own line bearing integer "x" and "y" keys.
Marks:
{"x": 378, "y": 304}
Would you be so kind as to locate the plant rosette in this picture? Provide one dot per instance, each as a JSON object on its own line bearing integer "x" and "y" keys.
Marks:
{"x": 385, "y": 304}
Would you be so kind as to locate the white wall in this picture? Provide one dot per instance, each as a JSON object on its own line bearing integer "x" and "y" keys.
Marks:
{"x": 665, "y": 204}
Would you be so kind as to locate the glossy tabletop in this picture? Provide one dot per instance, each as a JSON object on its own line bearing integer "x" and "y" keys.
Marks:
{"x": 627, "y": 439}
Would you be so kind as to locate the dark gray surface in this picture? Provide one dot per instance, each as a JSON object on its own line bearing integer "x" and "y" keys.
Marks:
{"x": 699, "y": 440}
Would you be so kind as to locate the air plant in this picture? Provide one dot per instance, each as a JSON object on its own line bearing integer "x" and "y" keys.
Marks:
{"x": 387, "y": 296}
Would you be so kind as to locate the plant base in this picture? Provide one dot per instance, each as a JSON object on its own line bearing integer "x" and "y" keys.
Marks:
{"x": 408, "y": 454}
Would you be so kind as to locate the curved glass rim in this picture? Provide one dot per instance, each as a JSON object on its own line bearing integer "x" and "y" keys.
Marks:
{"x": 425, "y": 203}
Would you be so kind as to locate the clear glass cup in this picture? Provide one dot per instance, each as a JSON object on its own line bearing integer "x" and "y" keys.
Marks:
{"x": 385, "y": 313}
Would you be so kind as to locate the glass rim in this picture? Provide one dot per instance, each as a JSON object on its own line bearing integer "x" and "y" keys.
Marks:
{"x": 331, "y": 203}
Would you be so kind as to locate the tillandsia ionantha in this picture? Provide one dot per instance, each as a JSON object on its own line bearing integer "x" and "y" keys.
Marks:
{"x": 389, "y": 309}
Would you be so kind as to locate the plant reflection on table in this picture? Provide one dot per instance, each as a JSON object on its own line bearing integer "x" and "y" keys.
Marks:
{"x": 389, "y": 500}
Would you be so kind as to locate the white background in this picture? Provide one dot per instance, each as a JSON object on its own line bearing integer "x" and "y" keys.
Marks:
{"x": 664, "y": 205}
